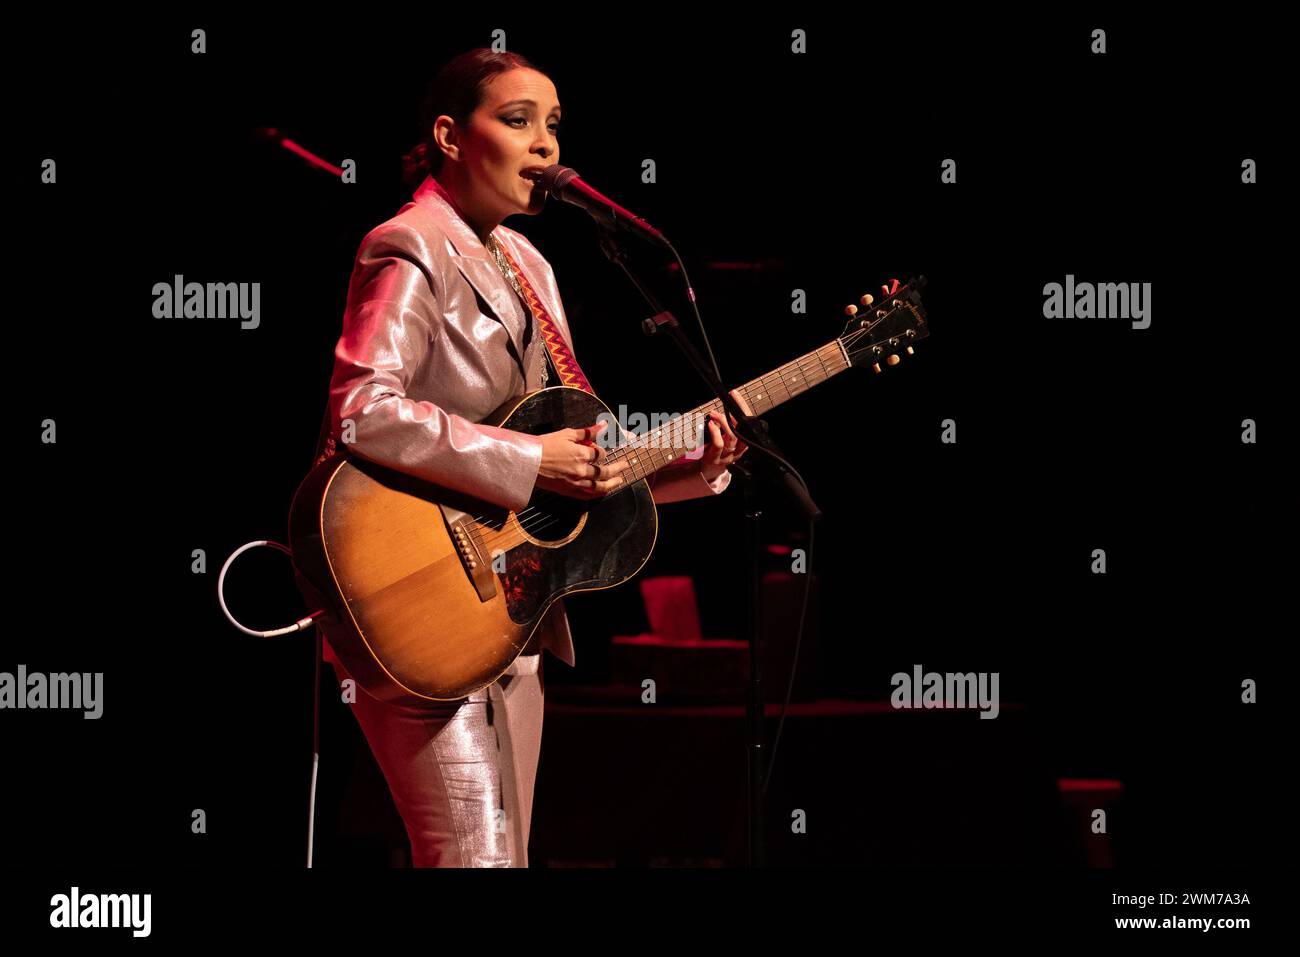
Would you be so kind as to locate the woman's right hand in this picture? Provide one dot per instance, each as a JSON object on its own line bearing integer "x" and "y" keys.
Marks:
{"x": 573, "y": 463}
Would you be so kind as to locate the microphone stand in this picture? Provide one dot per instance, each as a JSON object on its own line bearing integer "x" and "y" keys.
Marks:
{"x": 770, "y": 470}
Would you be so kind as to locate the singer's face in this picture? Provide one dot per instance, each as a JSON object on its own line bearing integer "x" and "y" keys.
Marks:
{"x": 508, "y": 134}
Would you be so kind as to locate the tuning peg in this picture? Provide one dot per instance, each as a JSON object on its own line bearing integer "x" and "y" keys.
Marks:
{"x": 850, "y": 310}
{"x": 894, "y": 359}
{"x": 876, "y": 366}
{"x": 910, "y": 352}
{"x": 867, "y": 300}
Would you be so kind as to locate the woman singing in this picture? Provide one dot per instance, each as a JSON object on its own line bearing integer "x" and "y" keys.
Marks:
{"x": 437, "y": 334}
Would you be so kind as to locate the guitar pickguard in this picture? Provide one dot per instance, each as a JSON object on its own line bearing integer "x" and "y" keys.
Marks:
{"x": 614, "y": 535}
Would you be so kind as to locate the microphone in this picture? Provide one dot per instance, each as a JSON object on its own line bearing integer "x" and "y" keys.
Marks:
{"x": 563, "y": 183}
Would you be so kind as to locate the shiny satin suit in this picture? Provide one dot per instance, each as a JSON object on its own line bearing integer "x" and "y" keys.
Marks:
{"x": 434, "y": 340}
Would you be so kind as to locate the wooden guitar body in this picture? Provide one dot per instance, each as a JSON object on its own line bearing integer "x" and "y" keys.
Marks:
{"x": 430, "y": 600}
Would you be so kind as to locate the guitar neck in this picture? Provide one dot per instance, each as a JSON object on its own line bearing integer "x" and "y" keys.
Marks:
{"x": 667, "y": 442}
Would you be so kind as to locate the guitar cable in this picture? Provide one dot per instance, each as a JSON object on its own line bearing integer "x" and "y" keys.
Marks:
{"x": 297, "y": 626}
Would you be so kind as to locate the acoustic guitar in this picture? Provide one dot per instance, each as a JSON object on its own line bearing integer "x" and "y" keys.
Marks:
{"x": 438, "y": 592}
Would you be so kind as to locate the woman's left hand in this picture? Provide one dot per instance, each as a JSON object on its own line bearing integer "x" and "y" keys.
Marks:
{"x": 725, "y": 446}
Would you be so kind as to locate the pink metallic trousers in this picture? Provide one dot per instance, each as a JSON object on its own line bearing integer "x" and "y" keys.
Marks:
{"x": 461, "y": 772}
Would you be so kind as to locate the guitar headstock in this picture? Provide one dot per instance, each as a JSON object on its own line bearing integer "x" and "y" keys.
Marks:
{"x": 885, "y": 329}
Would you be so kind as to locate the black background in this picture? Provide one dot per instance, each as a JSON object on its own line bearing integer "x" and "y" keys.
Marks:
{"x": 1072, "y": 435}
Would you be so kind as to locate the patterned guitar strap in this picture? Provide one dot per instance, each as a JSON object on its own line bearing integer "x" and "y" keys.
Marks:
{"x": 566, "y": 367}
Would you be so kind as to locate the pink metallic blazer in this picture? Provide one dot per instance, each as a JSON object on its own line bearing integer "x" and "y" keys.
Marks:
{"x": 432, "y": 343}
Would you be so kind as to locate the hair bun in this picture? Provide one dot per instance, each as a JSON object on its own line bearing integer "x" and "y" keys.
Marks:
{"x": 415, "y": 164}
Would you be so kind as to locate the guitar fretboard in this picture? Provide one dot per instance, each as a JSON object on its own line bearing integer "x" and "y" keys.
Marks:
{"x": 655, "y": 448}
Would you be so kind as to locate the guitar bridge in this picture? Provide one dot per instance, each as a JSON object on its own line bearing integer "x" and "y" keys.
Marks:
{"x": 470, "y": 549}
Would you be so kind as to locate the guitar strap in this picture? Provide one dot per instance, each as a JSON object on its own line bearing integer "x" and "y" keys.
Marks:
{"x": 566, "y": 367}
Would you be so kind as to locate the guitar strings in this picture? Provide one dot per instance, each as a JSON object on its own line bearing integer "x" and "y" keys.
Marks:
{"x": 782, "y": 375}
{"x": 528, "y": 520}
{"x": 525, "y": 518}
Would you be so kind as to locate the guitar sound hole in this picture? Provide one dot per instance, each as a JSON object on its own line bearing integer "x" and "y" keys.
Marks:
{"x": 551, "y": 517}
